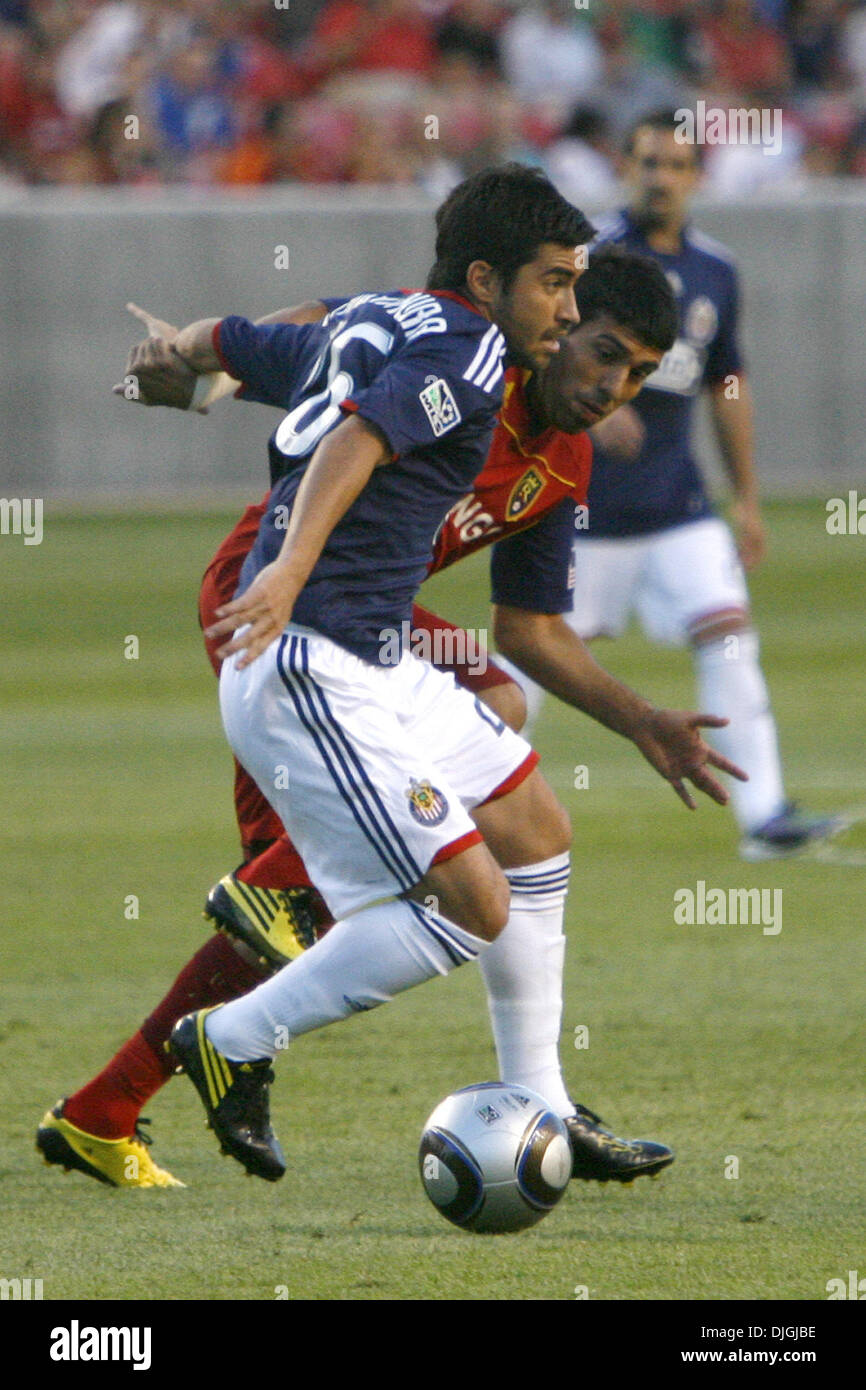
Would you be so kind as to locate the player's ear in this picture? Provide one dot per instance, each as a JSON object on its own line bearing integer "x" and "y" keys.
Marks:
{"x": 483, "y": 283}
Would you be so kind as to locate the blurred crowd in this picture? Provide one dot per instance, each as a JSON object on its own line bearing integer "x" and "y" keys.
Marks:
{"x": 415, "y": 92}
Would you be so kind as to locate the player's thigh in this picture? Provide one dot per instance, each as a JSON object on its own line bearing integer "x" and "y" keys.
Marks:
{"x": 368, "y": 808}
{"x": 606, "y": 580}
{"x": 470, "y": 889}
{"x": 693, "y": 576}
{"x": 525, "y": 826}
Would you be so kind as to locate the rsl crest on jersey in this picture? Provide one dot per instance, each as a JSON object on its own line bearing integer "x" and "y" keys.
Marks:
{"x": 524, "y": 493}
{"x": 427, "y": 805}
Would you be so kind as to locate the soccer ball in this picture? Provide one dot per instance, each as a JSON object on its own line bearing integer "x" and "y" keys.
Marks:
{"x": 494, "y": 1158}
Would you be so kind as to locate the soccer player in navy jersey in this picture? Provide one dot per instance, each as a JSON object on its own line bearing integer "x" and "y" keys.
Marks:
{"x": 391, "y": 405}
{"x": 629, "y": 321}
{"x": 654, "y": 543}
{"x": 384, "y": 765}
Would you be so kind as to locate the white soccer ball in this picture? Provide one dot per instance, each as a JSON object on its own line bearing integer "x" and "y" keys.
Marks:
{"x": 494, "y": 1158}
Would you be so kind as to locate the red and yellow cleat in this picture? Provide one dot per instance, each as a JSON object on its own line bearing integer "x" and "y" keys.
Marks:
{"x": 118, "y": 1162}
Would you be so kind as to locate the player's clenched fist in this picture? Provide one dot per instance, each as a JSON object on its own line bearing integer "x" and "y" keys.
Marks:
{"x": 154, "y": 373}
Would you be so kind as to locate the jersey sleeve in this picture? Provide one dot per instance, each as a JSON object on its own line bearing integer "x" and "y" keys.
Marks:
{"x": 432, "y": 386}
{"x": 724, "y": 357}
{"x": 533, "y": 569}
{"x": 332, "y": 303}
{"x": 263, "y": 357}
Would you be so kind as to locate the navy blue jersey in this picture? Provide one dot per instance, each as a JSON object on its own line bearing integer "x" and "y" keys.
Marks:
{"x": 663, "y": 487}
{"x": 534, "y": 569}
{"x": 427, "y": 371}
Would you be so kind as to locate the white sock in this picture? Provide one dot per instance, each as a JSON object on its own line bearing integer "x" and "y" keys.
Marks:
{"x": 730, "y": 682}
{"x": 361, "y": 963}
{"x": 522, "y": 970}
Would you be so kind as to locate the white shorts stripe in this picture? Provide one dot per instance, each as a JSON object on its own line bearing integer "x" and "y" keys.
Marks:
{"x": 352, "y": 782}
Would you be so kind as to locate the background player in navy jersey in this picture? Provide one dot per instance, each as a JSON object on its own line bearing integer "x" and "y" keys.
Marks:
{"x": 654, "y": 543}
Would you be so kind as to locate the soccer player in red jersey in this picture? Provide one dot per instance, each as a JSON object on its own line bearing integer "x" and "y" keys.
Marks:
{"x": 524, "y": 504}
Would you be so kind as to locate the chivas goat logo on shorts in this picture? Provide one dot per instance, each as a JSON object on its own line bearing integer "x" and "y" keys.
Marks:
{"x": 524, "y": 493}
{"x": 427, "y": 805}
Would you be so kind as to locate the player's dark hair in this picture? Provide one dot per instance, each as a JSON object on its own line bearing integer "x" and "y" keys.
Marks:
{"x": 501, "y": 216}
{"x": 666, "y": 118}
{"x": 634, "y": 291}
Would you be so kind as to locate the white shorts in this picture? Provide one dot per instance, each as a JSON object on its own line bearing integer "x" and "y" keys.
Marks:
{"x": 673, "y": 579}
{"x": 372, "y": 769}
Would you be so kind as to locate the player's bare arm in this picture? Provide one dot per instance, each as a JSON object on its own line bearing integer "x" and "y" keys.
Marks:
{"x": 733, "y": 421}
{"x": 337, "y": 473}
{"x": 621, "y": 434}
{"x": 545, "y": 647}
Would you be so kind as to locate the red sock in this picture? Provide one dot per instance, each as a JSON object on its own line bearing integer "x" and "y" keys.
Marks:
{"x": 110, "y": 1104}
{"x": 279, "y": 867}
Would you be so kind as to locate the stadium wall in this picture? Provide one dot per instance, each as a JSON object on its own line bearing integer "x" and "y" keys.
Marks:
{"x": 72, "y": 259}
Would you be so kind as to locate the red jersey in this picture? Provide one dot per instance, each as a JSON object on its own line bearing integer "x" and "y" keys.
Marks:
{"x": 524, "y": 478}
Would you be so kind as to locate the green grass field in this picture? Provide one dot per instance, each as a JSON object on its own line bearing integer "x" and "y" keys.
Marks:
{"x": 722, "y": 1041}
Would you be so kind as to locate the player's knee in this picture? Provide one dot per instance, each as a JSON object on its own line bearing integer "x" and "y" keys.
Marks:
{"x": 508, "y": 702}
{"x": 492, "y": 909}
{"x": 470, "y": 890}
{"x": 551, "y": 821}
{"x": 557, "y": 829}
{"x": 486, "y": 904}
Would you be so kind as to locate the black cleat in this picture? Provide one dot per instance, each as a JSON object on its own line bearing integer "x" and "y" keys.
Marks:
{"x": 276, "y": 924}
{"x": 600, "y": 1156}
{"x": 789, "y": 833}
{"x": 235, "y": 1097}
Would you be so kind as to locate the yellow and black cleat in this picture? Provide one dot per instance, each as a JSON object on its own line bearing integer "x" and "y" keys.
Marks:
{"x": 276, "y": 924}
{"x": 234, "y": 1095}
{"x": 117, "y": 1162}
{"x": 599, "y": 1156}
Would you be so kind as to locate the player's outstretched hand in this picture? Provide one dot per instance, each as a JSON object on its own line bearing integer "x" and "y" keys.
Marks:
{"x": 156, "y": 328}
{"x": 670, "y": 740}
{"x": 154, "y": 374}
{"x": 262, "y": 612}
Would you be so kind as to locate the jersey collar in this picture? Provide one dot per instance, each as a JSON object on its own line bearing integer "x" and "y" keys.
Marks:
{"x": 448, "y": 294}
{"x": 458, "y": 299}
{"x": 514, "y": 419}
